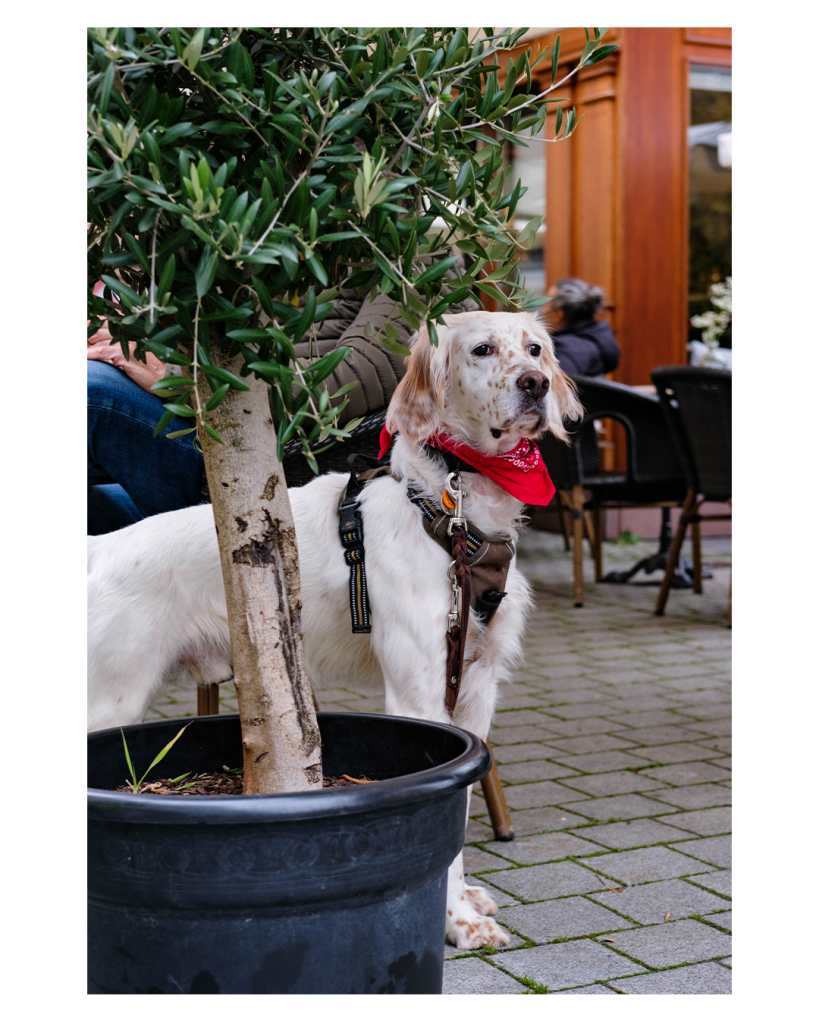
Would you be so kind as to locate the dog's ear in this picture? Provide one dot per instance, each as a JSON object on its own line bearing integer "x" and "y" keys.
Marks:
{"x": 563, "y": 403}
{"x": 414, "y": 409}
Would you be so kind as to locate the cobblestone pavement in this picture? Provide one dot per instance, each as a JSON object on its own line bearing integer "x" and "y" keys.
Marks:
{"x": 613, "y": 742}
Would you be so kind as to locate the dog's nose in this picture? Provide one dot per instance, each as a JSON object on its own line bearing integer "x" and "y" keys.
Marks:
{"x": 534, "y": 383}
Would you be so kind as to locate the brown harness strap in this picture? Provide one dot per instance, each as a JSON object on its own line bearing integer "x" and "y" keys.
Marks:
{"x": 478, "y": 569}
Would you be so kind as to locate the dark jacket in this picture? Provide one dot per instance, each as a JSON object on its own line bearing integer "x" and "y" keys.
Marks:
{"x": 587, "y": 347}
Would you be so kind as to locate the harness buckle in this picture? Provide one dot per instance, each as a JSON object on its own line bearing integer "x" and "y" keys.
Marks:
{"x": 453, "y": 491}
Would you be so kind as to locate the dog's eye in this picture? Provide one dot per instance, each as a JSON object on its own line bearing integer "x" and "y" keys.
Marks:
{"x": 482, "y": 350}
{"x": 534, "y": 350}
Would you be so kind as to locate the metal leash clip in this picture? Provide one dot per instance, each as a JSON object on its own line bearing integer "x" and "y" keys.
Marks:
{"x": 452, "y": 499}
{"x": 454, "y": 618}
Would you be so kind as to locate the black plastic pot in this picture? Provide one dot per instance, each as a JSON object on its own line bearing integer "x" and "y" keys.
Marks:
{"x": 337, "y": 891}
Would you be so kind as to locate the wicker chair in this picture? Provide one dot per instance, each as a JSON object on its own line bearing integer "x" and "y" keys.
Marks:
{"x": 653, "y": 477}
{"x": 696, "y": 401}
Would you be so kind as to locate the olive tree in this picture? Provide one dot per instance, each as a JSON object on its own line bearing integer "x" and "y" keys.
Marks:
{"x": 238, "y": 179}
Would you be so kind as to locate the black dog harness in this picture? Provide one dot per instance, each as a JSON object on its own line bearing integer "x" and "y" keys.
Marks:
{"x": 480, "y": 563}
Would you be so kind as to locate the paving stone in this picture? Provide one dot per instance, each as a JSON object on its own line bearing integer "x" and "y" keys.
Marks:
{"x": 520, "y": 734}
{"x": 546, "y": 881}
{"x": 504, "y": 719}
{"x": 711, "y": 822}
{"x": 507, "y": 753}
{"x": 605, "y": 761}
{"x": 478, "y": 831}
{"x": 672, "y": 753}
{"x": 473, "y": 976}
{"x": 537, "y": 794}
{"x": 543, "y": 819}
{"x": 719, "y": 881}
{"x": 588, "y": 744}
{"x": 650, "y": 902}
{"x": 708, "y": 712}
{"x": 611, "y": 783}
{"x": 586, "y": 990}
{"x": 719, "y": 727}
{"x": 721, "y": 743}
{"x": 625, "y": 676}
{"x": 561, "y": 918}
{"x": 579, "y": 727}
{"x": 678, "y": 942}
{"x": 630, "y": 805}
{"x": 696, "y": 979}
{"x": 722, "y": 920}
{"x": 533, "y": 771}
{"x": 503, "y": 899}
{"x": 685, "y": 773}
{"x": 716, "y": 850}
{"x": 647, "y": 864}
{"x": 567, "y": 964}
{"x": 476, "y": 859}
{"x": 694, "y": 797}
{"x": 645, "y": 719}
{"x": 568, "y": 712}
{"x": 658, "y": 734}
{"x": 538, "y": 849}
{"x": 626, "y": 835}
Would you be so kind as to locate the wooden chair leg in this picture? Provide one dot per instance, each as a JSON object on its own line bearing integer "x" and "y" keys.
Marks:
{"x": 673, "y": 556}
{"x": 207, "y": 699}
{"x": 578, "y": 523}
{"x": 496, "y": 804}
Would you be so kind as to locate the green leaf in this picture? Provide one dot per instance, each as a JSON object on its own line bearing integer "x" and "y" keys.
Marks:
{"x": 176, "y": 409}
{"x": 165, "y": 750}
{"x": 213, "y": 433}
{"x": 323, "y": 367}
{"x": 128, "y": 762}
{"x": 164, "y": 420}
{"x": 436, "y": 270}
{"x": 394, "y": 346}
{"x": 555, "y": 56}
{"x": 226, "y": 376}
{"x": 193, "y": 51}
{"x": 181, "y": 433}
{"x": 217, "y": 397}
{"x": 206, "y": 272}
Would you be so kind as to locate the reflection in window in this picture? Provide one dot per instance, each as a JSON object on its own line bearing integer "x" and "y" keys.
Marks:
{"x": 709, "y": 162}
{"x": 529, "y": 164}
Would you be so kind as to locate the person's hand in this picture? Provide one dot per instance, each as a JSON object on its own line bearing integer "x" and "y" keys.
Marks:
{"x": 102, "y": 347}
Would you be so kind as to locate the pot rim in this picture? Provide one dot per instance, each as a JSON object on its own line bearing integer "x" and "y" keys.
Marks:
{"x": 463, "y": 770}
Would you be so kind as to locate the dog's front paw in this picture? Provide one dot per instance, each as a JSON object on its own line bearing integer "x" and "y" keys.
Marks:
{"x": 476, "y": 932}
{"x": 480, "y": 900}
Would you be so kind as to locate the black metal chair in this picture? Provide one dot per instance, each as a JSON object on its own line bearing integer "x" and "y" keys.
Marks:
{"x": 696, "y": 401}
{"x": 653, "y": 477}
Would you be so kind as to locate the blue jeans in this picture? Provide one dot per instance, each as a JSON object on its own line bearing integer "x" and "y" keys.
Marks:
{"x": 131, "y": 473}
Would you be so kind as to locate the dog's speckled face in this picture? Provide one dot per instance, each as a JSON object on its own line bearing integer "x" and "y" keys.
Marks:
{"x": 492, "y": 379}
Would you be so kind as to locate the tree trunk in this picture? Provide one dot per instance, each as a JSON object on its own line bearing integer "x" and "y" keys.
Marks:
{"x": 257, "y": 544}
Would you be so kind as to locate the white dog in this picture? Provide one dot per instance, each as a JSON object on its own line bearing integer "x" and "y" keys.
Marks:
{"x": 156, "y": 599}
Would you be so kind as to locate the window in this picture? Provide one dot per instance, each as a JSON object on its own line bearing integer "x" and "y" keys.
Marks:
{"x": 709, "y": 162}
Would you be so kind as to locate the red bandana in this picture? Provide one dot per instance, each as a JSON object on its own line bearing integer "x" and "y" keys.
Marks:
{"x": 521, "y": 471}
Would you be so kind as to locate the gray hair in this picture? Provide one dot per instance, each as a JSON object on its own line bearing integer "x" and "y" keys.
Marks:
{"x": 579, "y": 301}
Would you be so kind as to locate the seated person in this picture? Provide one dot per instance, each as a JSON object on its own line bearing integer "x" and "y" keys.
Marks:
{"x": 131, "y": 473}
{"x": 583, "y": 344}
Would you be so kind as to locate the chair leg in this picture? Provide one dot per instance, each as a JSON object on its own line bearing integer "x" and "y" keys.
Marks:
{"x": 696, "y": 552}
{"x": 496, "y": 804}
{"x": 207, "y": 699}
{"x": 597, "y": 522}
{"x": 673, "y": 556}
{"x": 577, "y": 550}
